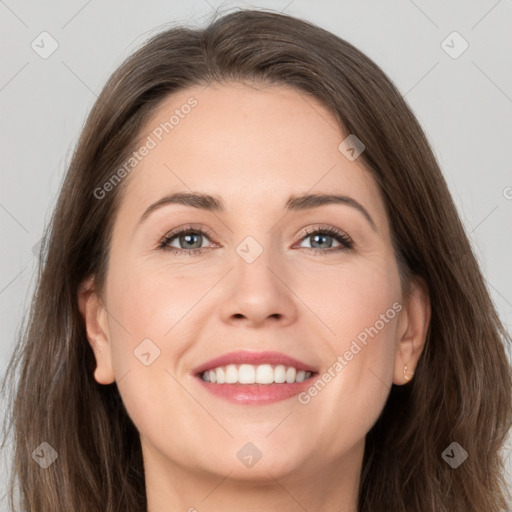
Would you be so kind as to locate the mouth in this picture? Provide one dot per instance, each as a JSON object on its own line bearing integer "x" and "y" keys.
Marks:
{"x": 255, "y": 378}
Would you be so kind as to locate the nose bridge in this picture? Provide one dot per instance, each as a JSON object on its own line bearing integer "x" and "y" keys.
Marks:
{"x": 258, "y": 291}
{"x": 254, "y": 264}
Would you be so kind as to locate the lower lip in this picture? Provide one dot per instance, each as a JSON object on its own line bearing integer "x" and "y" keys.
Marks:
{"x": 256, "y": 394}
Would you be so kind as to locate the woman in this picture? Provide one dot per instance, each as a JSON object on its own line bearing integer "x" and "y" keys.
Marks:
{"x": 187, "y": 351}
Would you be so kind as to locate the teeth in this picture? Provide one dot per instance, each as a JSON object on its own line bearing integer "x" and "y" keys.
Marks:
{"x": 251, "y": 374}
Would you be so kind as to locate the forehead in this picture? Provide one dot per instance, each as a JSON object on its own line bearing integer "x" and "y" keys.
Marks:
{"x": 248, "y": 144}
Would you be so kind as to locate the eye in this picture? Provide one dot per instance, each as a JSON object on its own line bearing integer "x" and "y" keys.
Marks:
{"x": 321, "y": 240}
{"x": 189, "y": 241}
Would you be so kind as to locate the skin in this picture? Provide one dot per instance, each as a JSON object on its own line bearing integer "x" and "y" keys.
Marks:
{"x": 253, "y": 146}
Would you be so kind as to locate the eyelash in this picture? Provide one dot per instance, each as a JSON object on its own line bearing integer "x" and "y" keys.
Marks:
{"x": 343, "y": 238}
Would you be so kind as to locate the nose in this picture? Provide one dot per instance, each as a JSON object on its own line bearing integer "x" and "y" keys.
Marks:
{"x": 259, "y": 292}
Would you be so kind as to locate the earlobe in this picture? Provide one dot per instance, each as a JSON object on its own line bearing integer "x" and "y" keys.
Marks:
{"x": 412, "y": 331}
{"x": 98, "y": 334}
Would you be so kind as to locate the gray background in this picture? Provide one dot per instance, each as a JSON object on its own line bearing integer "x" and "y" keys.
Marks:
{"x": 464, "y": 104}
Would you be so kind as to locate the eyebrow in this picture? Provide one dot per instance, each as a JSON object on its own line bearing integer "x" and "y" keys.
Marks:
{"x": 294, "y": 203}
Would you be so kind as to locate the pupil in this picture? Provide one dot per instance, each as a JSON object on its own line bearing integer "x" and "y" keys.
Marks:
{"x": 316, "y": 237}
{"x": 187, "y": 238}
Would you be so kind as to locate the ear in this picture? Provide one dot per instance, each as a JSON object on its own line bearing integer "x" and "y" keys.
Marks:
{"x": 98, "y": 334}
{"x": 412, "y": 331}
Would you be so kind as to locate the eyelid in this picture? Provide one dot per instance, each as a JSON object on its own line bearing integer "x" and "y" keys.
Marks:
{"x": 325, "y": 229}
{"x": 188, "y": 227}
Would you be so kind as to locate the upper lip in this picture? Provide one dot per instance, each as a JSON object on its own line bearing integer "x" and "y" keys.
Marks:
{"x": 255, "y": 358}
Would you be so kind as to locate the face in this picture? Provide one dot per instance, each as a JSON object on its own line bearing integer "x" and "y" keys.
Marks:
{"x": 316, "y": 282}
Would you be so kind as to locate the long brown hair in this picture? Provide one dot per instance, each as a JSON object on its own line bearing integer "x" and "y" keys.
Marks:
{"x": 461, "y": 391}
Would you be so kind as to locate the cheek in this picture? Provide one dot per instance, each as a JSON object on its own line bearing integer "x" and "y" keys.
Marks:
{"x": 359, "y": 307}
{"x": 150, "y": 311}
{"x": 367, "y": 325}
{"x": 351, "y": 297}
{"x": 152, "y": 301}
